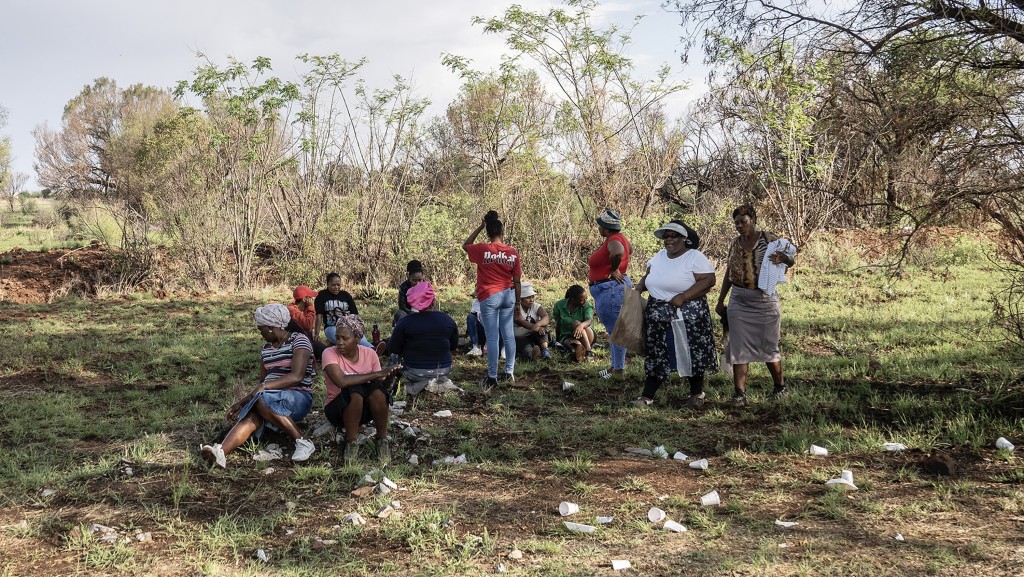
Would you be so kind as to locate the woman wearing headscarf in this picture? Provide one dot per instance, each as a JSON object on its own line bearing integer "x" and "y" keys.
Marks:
{"x": 498, "y": 273}
{"x": 358, "y": 390}
{"x": 425, "y": 341}
{"x": 608, "y": 279}
{"x": 754, "y": 314}
{"x": 677, "y": 280}
{"x": 284, "y": 394}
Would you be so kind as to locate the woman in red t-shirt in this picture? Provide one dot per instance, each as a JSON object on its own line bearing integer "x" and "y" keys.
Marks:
{"x": 608, "y": 280}
{"x": 498, "y": 273}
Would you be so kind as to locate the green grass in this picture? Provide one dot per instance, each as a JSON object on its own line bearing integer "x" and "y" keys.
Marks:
{"x": 89, "y": 385}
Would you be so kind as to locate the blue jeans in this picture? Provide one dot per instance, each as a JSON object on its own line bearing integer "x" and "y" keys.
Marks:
{"x": 472, "y": 323}
{"x": 608, "y": 302}
{"x": 329, "y": 333}
{"x": 496, "y": 313}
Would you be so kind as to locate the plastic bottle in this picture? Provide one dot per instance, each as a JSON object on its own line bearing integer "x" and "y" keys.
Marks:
{"x": 376, "y": 335}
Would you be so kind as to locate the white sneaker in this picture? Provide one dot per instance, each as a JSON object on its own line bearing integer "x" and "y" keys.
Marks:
{"x": 501, "y": 353}
{"x": 303, "y": 449}
{"x": 214, "y": 455}
{"x": 475, "y": 351}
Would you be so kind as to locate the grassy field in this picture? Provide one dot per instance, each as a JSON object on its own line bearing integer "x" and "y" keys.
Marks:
{"x": 104, "y": 404}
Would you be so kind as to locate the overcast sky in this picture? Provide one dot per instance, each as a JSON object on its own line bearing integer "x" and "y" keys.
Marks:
{"x": 50, "y": 49}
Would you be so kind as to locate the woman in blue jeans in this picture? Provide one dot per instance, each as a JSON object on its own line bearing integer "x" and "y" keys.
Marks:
{"x": 607, "y": 277}
{"x": 498, "y": 273}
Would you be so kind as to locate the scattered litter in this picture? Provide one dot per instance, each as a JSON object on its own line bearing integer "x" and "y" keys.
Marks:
{"x": 894, "y": 447}
{"x": 354, "y": 519}
{"x": 383, "y": 489}
{"x": 368, "y": 479}
{"x": 701, "y": 464}
{"x": 397, "y": 412}
{"x": 655, "y": 515}
{"x": 396, "y": 505}
{"x": 321, "y": 543}
{"x": 842, "y": 484}
{"x": 128, "y": 471}
{"x": 515, "y": 554}
{"x": 385, "y": 512}
{"x": 262, "y": 555}
{"x": 288, "y": 532}
{"x": 711, "y": 499}
{"x": 605, "y": 520}
{"x": 817, "y": 451}
{"x": 501, "y": 567}
{"x": 143, "y": 537}
{"x": 783, "y": 545}
{"x": 660, "y": 452}
{"x": 47, "y": 493}
{"x": 22, "y": 525}
{"x": 444, "y": 413}
{"x": 388, "y": 483}
{"x": 639, "y": 451}
{"x": 1002, "y": 443}
{"x": 899, "y": 537}
{"x": 460, "y": 460}
{"x": 579, "y": 527}
{"x": 269, "y": 471}
{"x": 680, "y": 456}
{"x": 566, "y": 385}
{"x": 414, "y": 460}
{"x": 663, "y": 497}
{"x": 322, "y": 429}
{"x": 785, "y": 524}
{"x": 411, "y": 431}
{"x": 271, "y": 453}
{"x": 674, "y": 527}
{"x": 398, "y": 405}
{"x": 847, "y": 476}
{"x": 621, "y": 565}
{"x": 438, "y": 386}
{"x": 565, "y": 508}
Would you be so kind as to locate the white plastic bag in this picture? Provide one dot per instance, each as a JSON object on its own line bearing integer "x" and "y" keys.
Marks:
{"x": 683, "y": 364}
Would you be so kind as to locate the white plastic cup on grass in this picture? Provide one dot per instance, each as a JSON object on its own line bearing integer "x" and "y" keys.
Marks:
{"x": 621, "y": 564}
{"x": 655, "y": 515}
{"x": 579, "y": 527}
{"x": 847, "y": 476}
{"x": 680, "y": 456}
{"x": 711, "y": 499}
{"x": 1002, "y": 443}
{"x": 817, "y": 451}
{"x": 565, "y": 508}
{"x": 701, "y": 464}
{"x": 674, "y": 527}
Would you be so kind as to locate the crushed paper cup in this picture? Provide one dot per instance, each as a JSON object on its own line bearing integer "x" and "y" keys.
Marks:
{"x": 639, "y": 451}
{"x": 621, "y": 564}
{"x": 899, "y": 537}
{"x": 699, "y": 464}
{"x": 388, "y": 483}
{"x": 605, "y": 520}
{"x": 842, "y": 484}
{"x": 680, "y": 456}
{"x": 444, "y": 413}
{"x": 655, "y": 515}
{"x": 579, "y": 527}
{"x": 847, "y": 476}
{"x": 262, "y": 555}
{"x": 660, "y": 452}
{"x": 711, "y": 499}
{"x": 817, "y": 451}
{"x": 894, "y": 447}
{"x": 566, "y": 385}
{"x": 674, "y": 527}
{"x": 1002, "y": 443}
{"x": 414, "y": 459}
{"x": 785, "y": 524}
{"x": 565, "y": 508}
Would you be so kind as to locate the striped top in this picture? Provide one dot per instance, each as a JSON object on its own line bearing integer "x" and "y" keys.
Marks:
{"x": 278, "y": 362}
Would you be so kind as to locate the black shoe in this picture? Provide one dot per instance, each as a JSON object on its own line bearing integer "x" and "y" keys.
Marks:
{"x": 506, "y": 378}
{"x": 488, "y": 384}
{"x": 695, "y": 401}
{"x": 739, "y": 401}
{"x": 779, "y": 393}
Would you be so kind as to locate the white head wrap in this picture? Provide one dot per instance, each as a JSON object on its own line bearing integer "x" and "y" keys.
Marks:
{"x": 272, "y": 315}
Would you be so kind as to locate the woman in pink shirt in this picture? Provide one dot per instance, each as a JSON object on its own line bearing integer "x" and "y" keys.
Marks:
{"x": 498, "y": 273}
{"x": 358, "y": 390}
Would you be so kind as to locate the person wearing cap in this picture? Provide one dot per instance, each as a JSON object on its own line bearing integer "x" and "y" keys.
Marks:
{"x": 303, "y": 313}
{"x": 414, "y": 275}
{"x": 531, "y": 330}
{"x": 754, "y": 316}
{"x": 424, "y": 340}
{"x": 573, "y": 316}
{"x": 678, "y": 279}
{"x": 608, "y": 279}
{"x": 284, "y": 394}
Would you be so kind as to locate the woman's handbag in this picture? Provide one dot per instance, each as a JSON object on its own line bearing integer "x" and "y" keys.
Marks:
{"x": 629, "y": 328}
{"x": 683, "y": 363}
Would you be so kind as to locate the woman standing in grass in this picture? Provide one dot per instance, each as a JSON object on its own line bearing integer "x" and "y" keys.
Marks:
{"x": 678, "y": 278}
{"x": 358, "y": 390}
{"x": 284, "y": 394}
{"x": 754, "y": 314}
{"x": 608, "y": 281}
{"x": 498, "y": 273}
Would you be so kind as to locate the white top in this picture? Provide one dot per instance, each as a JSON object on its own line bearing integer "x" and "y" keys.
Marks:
{"x": 475, "y": 307}
{"x": 771, "y": 274}
{"x": 530, "y": 316}
{"x": 667, "y": 277}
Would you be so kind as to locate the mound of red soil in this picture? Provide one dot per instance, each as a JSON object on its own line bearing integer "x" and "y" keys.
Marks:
{"x": 39, "y": 277}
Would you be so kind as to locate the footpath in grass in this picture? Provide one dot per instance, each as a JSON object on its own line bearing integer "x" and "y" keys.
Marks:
{"x": 105, "y": 402}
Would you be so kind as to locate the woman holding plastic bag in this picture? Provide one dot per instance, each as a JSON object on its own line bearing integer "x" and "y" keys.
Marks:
{"x": 678, "y": 279}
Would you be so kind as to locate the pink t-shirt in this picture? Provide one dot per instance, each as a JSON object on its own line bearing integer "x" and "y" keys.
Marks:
{"x": 496, "y": 264}
{"x": 366, "y": 363}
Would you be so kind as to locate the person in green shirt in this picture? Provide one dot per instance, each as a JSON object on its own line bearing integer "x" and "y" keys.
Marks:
{"x": 573, "y": 316}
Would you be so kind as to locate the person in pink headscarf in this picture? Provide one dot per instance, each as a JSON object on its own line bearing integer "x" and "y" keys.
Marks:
{"x": 424, "y": 340}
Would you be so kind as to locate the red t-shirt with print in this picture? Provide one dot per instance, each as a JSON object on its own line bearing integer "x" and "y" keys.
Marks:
{"x": 496, "y": 264}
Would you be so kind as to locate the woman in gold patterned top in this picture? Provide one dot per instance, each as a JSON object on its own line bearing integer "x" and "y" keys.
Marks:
{"x": 753, "y": 315}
